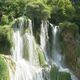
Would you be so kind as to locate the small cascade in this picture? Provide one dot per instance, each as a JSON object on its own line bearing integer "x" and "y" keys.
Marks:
{"x": 18, "y": 42}
{"x": 44, "y": 38}
{"x": 29, "y": 38}
{"x": 57, "y": 57}
{"x": 19, "y": 45}
{"x": 29, "y": 43}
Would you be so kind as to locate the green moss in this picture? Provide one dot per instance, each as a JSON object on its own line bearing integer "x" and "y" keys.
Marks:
{"x": 4, "y": 73}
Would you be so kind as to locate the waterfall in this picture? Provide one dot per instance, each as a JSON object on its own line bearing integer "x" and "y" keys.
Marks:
{"x": 56, "y": 55}
{"x": 18, "y": 42}
{"x": 26, "y": 55}
{"x": 25, "y": 70}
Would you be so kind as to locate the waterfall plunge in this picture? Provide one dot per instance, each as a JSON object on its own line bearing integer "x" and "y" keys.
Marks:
{"x": 24, "y": 69}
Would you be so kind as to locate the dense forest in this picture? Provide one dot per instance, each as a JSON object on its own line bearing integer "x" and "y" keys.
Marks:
{"x": 62, "y": 13}
{"x": 56, "y": 11}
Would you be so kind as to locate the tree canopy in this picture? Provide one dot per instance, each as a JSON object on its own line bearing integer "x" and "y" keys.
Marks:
{"x": 55, "y": 10}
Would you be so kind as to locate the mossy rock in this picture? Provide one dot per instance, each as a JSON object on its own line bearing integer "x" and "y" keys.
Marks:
{"x": 4, "y": 72}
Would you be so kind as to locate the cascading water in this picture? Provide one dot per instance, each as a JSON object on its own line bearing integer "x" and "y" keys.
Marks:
{"x": 17, "y": 53}
{"x": 24, "y": 69}
{"x": 29, "y": 39}
{"x": 56, "y": 54}
{"x": 44, "y": 38}
{"x": 27, "y": 66}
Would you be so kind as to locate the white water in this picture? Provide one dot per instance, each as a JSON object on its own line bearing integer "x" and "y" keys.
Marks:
{"x": 56, "y": 55}
{"x": 18, "y": 45}
{"x": 24, "y": 69}
{"x": 44, "y": 38}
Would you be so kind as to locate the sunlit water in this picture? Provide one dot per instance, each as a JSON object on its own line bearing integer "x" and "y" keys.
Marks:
{"x": 25, "y": 70}
{"x": 44, "y": 38}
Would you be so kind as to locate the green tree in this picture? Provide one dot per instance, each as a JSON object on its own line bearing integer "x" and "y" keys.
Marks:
{"x": 38, "y": 9}
{"x": 62, "y": 10}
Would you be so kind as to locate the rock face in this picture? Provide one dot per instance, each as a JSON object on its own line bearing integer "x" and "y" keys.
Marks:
{"x": 70, "y": 48}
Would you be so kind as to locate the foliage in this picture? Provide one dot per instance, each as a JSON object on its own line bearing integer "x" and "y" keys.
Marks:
{"x": 17, "y": 8}
{"x": 68, "y": 25}
{"x": 4, "y": 73}
{"x": 76, "y": 18}
{"x": 55, "y": 10}
{"x": 13, "y": 8}
{"x": 38, "y": 8}
{"x": 62, "y": 10}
